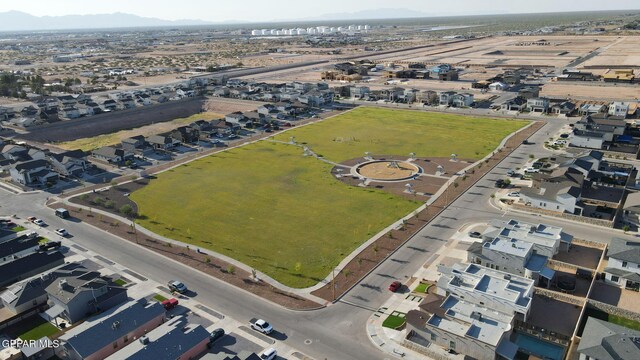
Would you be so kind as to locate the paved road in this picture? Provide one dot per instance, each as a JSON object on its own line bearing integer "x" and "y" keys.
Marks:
{"x": 337, "y": 332}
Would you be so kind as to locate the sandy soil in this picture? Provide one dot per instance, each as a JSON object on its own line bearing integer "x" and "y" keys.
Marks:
{"x": 597, "y": 91}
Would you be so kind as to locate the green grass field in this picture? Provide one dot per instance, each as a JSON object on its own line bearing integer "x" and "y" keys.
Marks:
{"x": 284, "y": 214}
{"x": 398, "y": 132}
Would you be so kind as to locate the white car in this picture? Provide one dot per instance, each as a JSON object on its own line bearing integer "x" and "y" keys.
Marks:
{"x": 39, "y": 222}
{"x": 62, "y": 232}
{"x": 531, "y": 170}
{"x": 514, "y": 194}
{"x": 269, "y": 354}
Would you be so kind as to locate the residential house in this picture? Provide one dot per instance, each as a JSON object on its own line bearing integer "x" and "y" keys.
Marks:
{"x": 513, "y": 256}
{"x": 547, "y": 240}
{"x": 563, "y": 108}
{"x": 175, "y": 339}
{"x": 602, "y": 340}
{"x": 559, "y": 192}
{"x": 537, "y": 104}
{"x": 497, "y": 290}
{"x": 161, "y": 142}
{"x": 442, "y": 68}
{"x": 70, "y": 112}
{"x": 69, "y": 163}
{"x": 29, "y": 265}
{"x": 469, "y": 329}
{"x": 112, "y": 154}
{"x": 587, "y": 139}
{"x": 73, "y": 298}
{"x": 619, "y": 109}
{"x": 462, "y": 100}
{"x": 110, "y": 105}
{"x": 29, "y": 294}
{"x": 104, "y": 334}
{"x": 623, "y": 266}
{"x": 135, "y": 144}
{"x": 529, "y": 92}
{"x": 446, "y": 97}
{"x": 498, "y": 86}
{"x": 451, "y": 75}
{"x": 34, "y": 172}
{"x": 515, "y": 104}
{"x": 473, "y": 311}
{"x": 592, "y": 109}
{"x": 359, "y": 92}
{"x": 185, "y": 135}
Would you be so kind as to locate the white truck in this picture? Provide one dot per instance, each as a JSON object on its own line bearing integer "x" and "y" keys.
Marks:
{"x": 261, "y": 326}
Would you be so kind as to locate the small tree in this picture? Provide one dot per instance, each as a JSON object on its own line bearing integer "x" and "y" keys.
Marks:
{"x": 626, "y": 228}
{"x": 231, "y": 269}
{"x": 109, "y": 204}
{"x": 359, "y": 261}
{"x": 126, "y": 210}
{"x": 375, "y": 248}
{"x": 207, "y": 260}
{"x": 347, "y": 273}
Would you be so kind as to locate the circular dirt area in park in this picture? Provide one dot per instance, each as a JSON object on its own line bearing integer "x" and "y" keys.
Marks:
{"x": 388, "y": 170}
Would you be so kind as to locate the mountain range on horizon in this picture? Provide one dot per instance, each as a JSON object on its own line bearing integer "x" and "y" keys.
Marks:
{"x": 21, "y": 21}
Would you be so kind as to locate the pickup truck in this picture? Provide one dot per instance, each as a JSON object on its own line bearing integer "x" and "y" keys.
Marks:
{"x": 261, "y": 326}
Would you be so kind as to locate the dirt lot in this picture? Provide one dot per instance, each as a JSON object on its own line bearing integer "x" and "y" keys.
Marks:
{"x": 554, "y": 315}
{"x": 596, "y": 91}
{"x": 115, "y": 121}
{"x": 613, "y": 295}
{"x": 225, "y": 106}
{"x": 581, "y": 256}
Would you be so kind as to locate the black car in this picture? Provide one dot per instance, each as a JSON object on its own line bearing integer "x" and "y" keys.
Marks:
{"x": 475, "y": 234}
{"x": 216, "y": 335}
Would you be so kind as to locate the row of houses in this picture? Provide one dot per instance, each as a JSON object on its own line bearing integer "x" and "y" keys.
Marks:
{"x": 30, "y": 166}
{"x": 105, "y": 322}
{"x": 481, "y": 308}
{"x": 50, "y": 109}
{"x": 586, "y": 185}
{"x": 309, "y": 94}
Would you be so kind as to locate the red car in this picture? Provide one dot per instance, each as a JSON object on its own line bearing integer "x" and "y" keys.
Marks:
{"x": 395, "y": 286}
{"x": 170, "y": 303}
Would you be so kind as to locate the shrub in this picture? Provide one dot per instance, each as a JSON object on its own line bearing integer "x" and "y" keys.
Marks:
{"x": 126, "y": 210}
{"x": 109, "y": 204}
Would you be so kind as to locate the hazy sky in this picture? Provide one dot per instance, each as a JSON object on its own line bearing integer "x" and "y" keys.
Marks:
{"x": 266, "y": 10}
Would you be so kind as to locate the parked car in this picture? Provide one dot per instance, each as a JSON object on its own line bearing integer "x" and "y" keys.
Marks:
{"x": 564, "y": 136}
{"x": 39, "y": 222}
{"x": 514, "y": 194}
{"x": 62, "y": 232}
{"x": 395, "y": 286}
{"x": 32, "y": 218}
{"x": 269, "y": 354}
{"x": 261, "y": 326}
{"x": 510, "y": 173}
{"x": 475, "y": 234}
{"x": 216, "y": 334}
{"x": 531, "y": 170}
{"x": 177, "y": 286}
{"x": 170, "y": 303}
